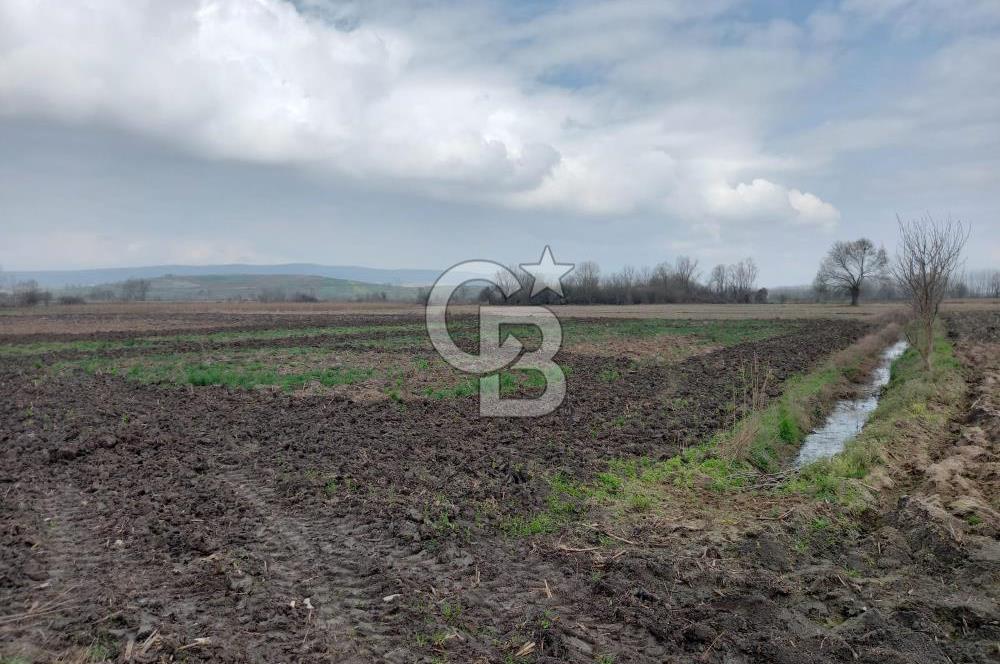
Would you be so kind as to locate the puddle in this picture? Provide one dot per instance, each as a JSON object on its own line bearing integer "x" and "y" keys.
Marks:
{"x": 850, "y": 415}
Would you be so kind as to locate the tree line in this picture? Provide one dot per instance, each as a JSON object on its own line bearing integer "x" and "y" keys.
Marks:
{"x": 28, "y": 293}
{"x": 926, "y": 269}
{"x": 851, "y": 270}
{"x": 666, "y": 283}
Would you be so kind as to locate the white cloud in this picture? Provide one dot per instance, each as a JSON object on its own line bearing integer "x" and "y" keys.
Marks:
{"x": 765, "y": 201}
{"x": 449, "y": 102}
{"x": 629, "y": 129}
{"x": 811, "y": 211}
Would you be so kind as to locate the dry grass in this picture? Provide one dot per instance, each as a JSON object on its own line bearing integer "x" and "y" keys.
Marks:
{"x": 749, "y": 399}
{"x": 864, "y": 353}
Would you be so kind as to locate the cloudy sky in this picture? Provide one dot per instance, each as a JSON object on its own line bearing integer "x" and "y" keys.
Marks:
{"x": 419, "y": 134}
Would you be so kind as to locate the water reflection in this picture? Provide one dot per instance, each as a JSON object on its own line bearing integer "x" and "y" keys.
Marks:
{"x": 849, "y": 416}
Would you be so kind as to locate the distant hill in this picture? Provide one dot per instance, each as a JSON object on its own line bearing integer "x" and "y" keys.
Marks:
{"x": 215, "y": 287}
{"x": 57, "y": 279}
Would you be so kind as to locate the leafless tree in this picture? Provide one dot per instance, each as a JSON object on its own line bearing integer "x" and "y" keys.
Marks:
{"x": 959, "y": 286}
{"x": 667, "y": 282}
{"x": 512, "y": 281}
{"x": 28, "y": 294}
{"x": 662, "y": 283}
{"x": 641, "y": 290}
{"x": 820, "y": 289}
{"x": 718, "y": 280}
{"x": 135, "y": 289}
{"x": 743, "y": 280}
{"x": 930, "y": 254}
{"x": 849, "y": 264}
{"x": 619, "y": 286}
{"x": 627, "y": 279}
{"x": 984, "y": 283}
{"x": 686, "y": 272}
{"x": 586, "y": 281}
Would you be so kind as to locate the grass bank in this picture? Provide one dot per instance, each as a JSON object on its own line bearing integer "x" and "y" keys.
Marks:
{"x": 770, "y": 434}
{"x": 915, "y": 410}
{"x": 762, "y": 437}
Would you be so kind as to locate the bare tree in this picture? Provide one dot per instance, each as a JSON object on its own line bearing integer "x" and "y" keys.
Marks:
{"x": 586, "y": 281}
{"x": 618, "y": 286}
{"x": 509, "y": 281}
{"x": 979, "y": 283}
{"x": 985, "y": 283}
{"x": 28, "y": 294}
{"x": 662, "y": 283}
{"x": 135, "y": 289}
{"x": 930, "y": 254}
{"x": 718, "y": 279}
{"x": 627, "y": 278}
{"x": 849, "y": 264}
{"x": 743, "y": 280}
{"x": 959, "y": 286}
{"x": 686, "y": 272}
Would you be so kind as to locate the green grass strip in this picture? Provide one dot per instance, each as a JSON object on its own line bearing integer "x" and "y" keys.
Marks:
{"x": 914, "y": 400}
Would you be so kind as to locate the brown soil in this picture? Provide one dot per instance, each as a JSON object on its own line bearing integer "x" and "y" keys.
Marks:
{"x": 660, "y": 349}
{"x": 183, "y": 316}
{"x": 155, "y": 523}
{"x": 16, "y": 328}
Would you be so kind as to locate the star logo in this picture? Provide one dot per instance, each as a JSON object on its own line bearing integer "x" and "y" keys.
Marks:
{"x": 547, "y": 273}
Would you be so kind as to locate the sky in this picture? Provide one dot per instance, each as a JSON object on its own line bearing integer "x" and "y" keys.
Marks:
{"x": 421, "y": 134}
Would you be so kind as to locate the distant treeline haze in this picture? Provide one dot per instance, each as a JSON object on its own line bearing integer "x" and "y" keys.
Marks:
{"x": 678, "y": 282}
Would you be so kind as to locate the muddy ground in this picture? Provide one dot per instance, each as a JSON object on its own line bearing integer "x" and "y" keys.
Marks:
{"x": 163, "y": 523}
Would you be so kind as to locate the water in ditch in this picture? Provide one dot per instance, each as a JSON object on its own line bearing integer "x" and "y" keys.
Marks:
{"x": 849, "y": 415}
